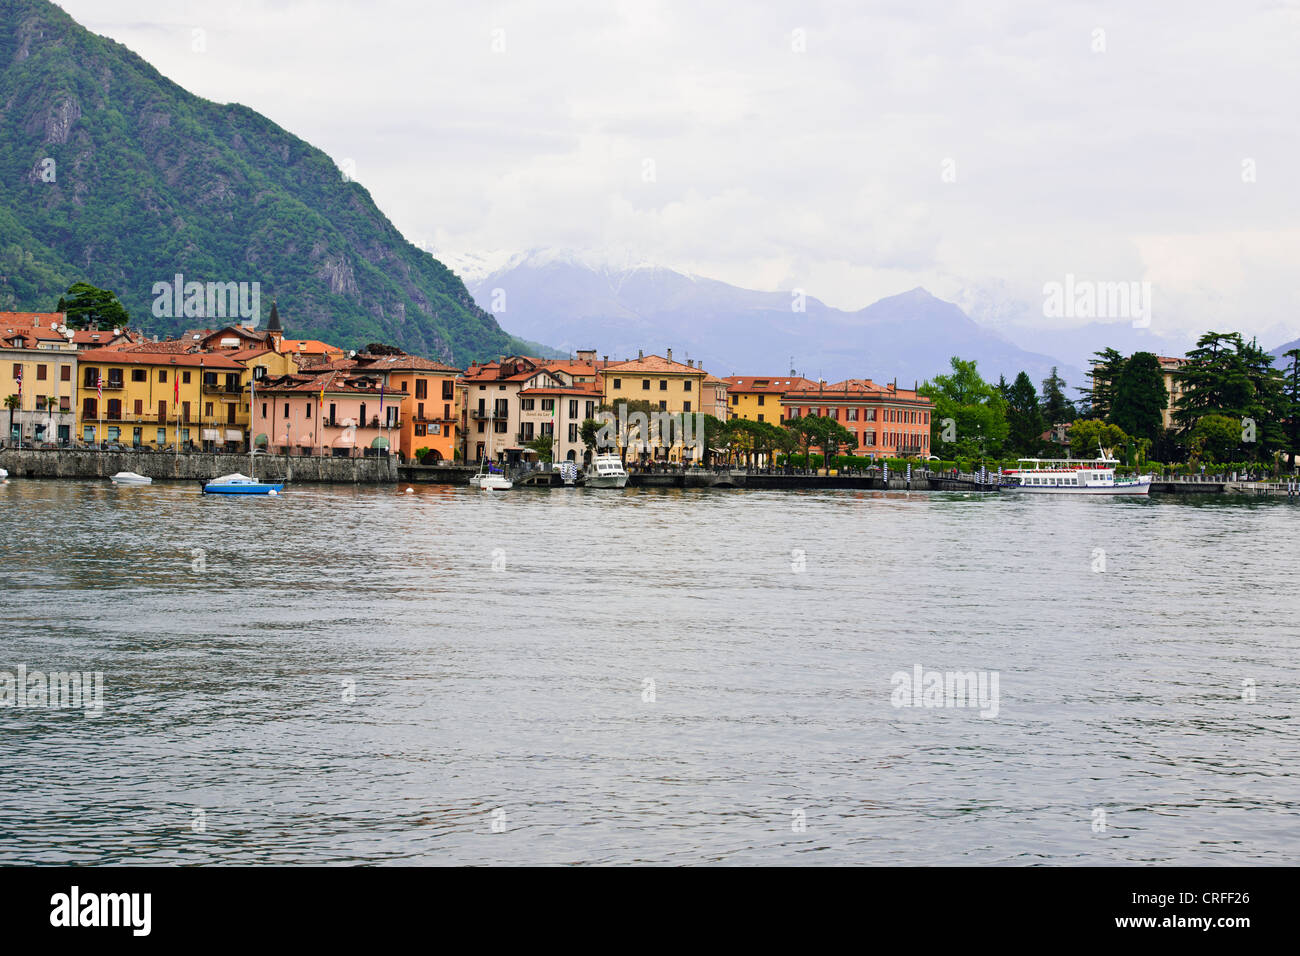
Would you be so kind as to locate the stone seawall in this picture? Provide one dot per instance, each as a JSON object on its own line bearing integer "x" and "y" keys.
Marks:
{"x": 191, "y": 466}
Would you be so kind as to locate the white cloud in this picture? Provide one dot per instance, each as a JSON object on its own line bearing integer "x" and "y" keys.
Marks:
{"x": 777, "y": 168}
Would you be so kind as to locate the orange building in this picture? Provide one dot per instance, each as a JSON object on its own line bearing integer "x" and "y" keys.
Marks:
{"x": 888, "y": 422}
{"x": 429, "y": 409}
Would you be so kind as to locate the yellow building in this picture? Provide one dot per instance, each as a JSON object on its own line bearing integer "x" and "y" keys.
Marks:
{"x": 758, "y": 398}
{"x": 155, "y": 396}
{"x": 38, "y": 386}
{"x": 666, "y": 385}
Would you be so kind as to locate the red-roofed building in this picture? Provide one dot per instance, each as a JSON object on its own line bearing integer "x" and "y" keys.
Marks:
{"x": 189, "y": 400}
{"x": 334, "y": 413}
{"x": 887, "y": 421}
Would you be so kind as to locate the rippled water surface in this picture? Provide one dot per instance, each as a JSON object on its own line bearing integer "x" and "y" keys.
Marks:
{"x": 348, "y": 676}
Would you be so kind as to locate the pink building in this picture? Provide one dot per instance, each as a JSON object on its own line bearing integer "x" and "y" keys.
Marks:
{"x": 338, "y": 413}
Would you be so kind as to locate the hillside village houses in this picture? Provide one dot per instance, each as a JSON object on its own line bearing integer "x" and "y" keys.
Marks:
{"x": 232, "y": 388}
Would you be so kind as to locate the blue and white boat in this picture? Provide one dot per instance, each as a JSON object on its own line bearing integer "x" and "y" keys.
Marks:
{"x": 238, "y": 484}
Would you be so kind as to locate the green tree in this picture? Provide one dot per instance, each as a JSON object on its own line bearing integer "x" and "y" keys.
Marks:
{"x": 1024, "y": 417}
{"x": 543, "y": 445}
{"x": 1140, "y": 397}
{"x": 1216, "y": 437}
{"x": 1291, "y": 391}
{"x": 1228, "y": 377}
{"x": 590, "y": 432}
{"x": 11, "y": 402}
{"x": 1106, "y": 366}
{"x": 1057, "y": 409}
{"x": 976, "y": 410}
{"x": 89, "y": 307}
{"x": 1090, "y": 437}
{"x": 715, "y": 436}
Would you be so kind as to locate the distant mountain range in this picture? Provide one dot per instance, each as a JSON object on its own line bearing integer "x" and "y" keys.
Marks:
{"x": 114, "y": 175}
{"x": 575, "y": 304}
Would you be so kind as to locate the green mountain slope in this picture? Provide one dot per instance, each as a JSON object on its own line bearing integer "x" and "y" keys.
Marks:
{"x": 149, "y": 181}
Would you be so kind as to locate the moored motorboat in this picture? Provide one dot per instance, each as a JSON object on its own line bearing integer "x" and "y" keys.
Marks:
{"x": 238, "y": 484}
{"x": 606, "y": 471}
{"x": 130, "y": 478}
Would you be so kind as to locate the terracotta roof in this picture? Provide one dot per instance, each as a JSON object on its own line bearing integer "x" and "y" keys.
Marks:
{"x": 576, "y": 367}
{"x": 585, "y": 389}
{"x": 653, "y": 363}
{"x": 517, "y": 368}
{"x": 401, "y": 363}
{"x": 858, "y": 389}
{"x": 211, "y": 360}
{"x": 333, "y": 382}
{"x": 309, "y": 347}
{"x": 26, "y": 320}
{"x": 243, "y": 355}
{"x": 170, "y": 346}
{"x": 770, "y": 384}
{"x": 238, "y": 330}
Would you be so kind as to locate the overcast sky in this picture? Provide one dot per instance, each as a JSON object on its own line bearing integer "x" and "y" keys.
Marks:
{"x": 801, "y": 145}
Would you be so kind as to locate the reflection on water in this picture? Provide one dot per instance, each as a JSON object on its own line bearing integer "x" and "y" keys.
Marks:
{"x": 340, "y": 675}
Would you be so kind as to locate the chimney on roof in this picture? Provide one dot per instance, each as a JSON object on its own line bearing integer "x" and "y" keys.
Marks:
{"x": 670, "y": 355}
{"x": 606, "y": 359}
{"x": 690, "y": 363}
{"x": 640, "y": 354}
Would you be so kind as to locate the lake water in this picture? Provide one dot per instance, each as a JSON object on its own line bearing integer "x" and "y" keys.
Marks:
{"x": 557, "y": 676}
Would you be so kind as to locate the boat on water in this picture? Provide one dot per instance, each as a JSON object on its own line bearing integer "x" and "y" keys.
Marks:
{"x": 4, "y": 475}
{"x": 1072, "y": 476}
{"x": 238, "y": 484}
{"x": 489, "y": 478}
{"x": 606, "y": 471}
{"x": 130, "y": 478}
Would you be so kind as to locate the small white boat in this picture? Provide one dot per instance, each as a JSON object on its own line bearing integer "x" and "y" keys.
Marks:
{"x": 606, "y": 471}
{"x": 4, "y": 475}
{"x": 130, "y": 478}
{"x": 1072, "y": 476}
{"x": 488, "y": 480}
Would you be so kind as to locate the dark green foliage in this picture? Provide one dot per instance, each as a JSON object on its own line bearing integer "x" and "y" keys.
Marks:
{"x": 1106, "y": 366}
{"x": 149, "y": 181}
{"x": 88, "y": 307}
{"x": 1234, "y": 379}
{"x": 1140, "y": 397}
{"x": 1057, "y": 409}
{"x": 1024, "y": 418}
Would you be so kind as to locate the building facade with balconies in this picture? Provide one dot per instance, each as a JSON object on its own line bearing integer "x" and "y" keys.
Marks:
{"x": 341, "y": 413}
{"x": 887, "y": 421}
{"x": 160, "y": 399}
{"x": 38, "y": 385}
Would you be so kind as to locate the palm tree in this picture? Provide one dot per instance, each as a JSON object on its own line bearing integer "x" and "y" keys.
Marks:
{"x": 11, "y": 402}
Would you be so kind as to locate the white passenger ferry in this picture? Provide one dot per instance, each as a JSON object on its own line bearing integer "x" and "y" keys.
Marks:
{"x": 1072, "y": 476}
